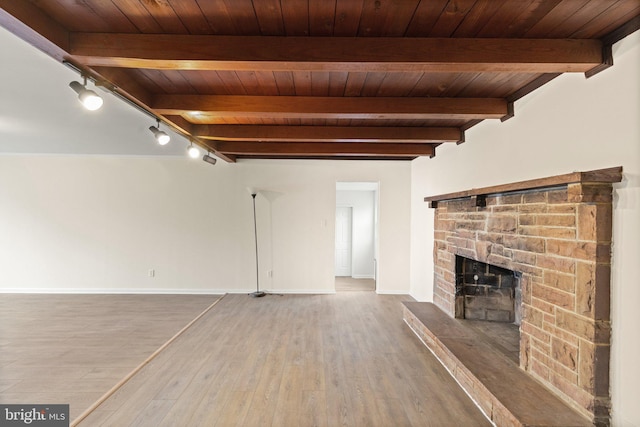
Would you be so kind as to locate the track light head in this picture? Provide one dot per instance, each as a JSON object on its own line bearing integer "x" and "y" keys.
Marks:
{"x": 91, "y": 100}
{"x": 161, "y": 136}
{"x": 209, "y": 159}
{"x": 193, "y": 151}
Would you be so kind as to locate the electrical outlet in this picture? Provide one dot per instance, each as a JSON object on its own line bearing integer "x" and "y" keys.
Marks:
{"x": 270, "y": 273}
{"x": 152, "y": 273}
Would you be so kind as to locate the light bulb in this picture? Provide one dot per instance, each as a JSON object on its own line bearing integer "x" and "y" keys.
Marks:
{"x": 161, "y": 136}
{"x": 193, "y": 151}
{"x": 91, "y": 100}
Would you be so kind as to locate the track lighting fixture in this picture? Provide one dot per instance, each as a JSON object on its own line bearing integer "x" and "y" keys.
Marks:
{"x": 91, "y": 100}
{"x": 209, "y": 158}
{"x": 161, "y": 136}
{"x": 193, "y": 151}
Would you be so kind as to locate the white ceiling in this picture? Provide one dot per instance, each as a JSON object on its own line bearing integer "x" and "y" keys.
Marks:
{"x": 40, "y": 113}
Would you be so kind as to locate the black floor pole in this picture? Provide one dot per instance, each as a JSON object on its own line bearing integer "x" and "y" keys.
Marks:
{"x": 257, "y": 293}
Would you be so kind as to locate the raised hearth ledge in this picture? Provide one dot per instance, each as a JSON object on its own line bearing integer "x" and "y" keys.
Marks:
{"x": 608, "y": 175}
{"x": 508, "y": 396}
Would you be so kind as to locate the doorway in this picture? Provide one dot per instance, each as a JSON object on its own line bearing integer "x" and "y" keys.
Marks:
{"x": 356, "y": 236}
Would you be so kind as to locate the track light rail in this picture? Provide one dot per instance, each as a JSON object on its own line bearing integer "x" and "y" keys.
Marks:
{"x": 161, "y": 137}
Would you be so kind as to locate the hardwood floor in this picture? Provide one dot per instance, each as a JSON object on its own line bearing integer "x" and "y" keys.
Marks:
{"x": 350, "y": 284}
{"x": 310, "y": 360}
{"x": 73, "y": 348}
{"x": 294, "y": 360}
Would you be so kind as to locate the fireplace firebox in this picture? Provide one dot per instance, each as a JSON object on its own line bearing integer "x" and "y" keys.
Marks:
{"x": 487, "y": 292}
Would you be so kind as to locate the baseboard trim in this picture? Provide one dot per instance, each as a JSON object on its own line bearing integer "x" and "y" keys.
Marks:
{"x": 363, "y": 276}
{"x": 384, "y": 292}
{"x": 158, "y": 291}
{"x": 121, "y": 291}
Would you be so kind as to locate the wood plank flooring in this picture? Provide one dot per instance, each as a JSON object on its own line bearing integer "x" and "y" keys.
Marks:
{"x": 294, "y": 360}
{"x": 73, "y": 348}
{"x": 349, "y": 284}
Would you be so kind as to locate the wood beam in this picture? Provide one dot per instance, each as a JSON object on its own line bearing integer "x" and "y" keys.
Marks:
{"x": 383, "y": 54}
{"x": 331, "y": 157}
{"x": 202, "y": 108}
{"x": 609, "y": 40}
{"x": 326, "y": 133}
{"x": 288, "y": 149}
{"x": 28, "y": 22}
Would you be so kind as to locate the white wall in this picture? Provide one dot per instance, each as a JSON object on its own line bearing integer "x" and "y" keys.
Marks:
{"x": 362, "y": 230}
{"x": 99, "y": 223}
{"x": 571, "y": 124}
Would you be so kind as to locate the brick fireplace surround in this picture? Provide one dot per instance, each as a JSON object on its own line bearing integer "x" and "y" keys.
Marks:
{"x": 557, "y": 232}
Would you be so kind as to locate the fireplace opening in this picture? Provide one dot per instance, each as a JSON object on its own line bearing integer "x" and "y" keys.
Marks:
{"x": 487, "y": 292}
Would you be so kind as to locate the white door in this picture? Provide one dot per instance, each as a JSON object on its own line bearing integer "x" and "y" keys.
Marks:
{"x": 343, "y": 241}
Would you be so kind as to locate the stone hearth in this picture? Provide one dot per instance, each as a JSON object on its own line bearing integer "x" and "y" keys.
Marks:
{"x": 479, "y": 355}
{"x": 556, "y": 232}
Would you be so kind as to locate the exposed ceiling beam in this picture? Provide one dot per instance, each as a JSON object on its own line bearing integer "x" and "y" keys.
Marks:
{"x": 28, "y": 22}
{"x": 327, "y": 133}
{"x": 324, "y": 148}
{"x": 331, "y": 157}
{"x": 203, "y": 109}
{"x": 384, "y": 54}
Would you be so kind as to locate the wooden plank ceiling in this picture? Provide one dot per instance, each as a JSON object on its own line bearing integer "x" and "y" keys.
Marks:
{"x": 366, "y": 79}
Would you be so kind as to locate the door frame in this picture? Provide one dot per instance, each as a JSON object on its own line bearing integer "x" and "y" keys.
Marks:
{"x": 365, "y": 186}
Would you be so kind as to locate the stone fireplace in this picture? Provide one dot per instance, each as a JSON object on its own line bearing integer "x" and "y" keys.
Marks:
{"x": 551, "y": 240}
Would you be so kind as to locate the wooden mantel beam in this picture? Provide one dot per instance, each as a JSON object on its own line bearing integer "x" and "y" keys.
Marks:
{"x": 310, "y": 149}
{"x": 350, "y": 54}
{"x": 608, "y": 175}
{"x": 376, "y": 134}
{"x": 205, "y": 108}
